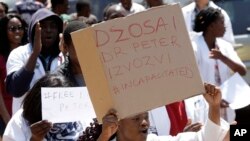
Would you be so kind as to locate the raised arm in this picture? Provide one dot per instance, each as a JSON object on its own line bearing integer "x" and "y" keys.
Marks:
{"x": 109, "y": 126}
{"x": 18, "y": 82}
{"x": 213, "y": 97}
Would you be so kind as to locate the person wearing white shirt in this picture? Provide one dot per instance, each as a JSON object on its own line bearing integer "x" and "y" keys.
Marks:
{"x": 130, "y": 7}
{"x": 216, "y": 60}
{"x": 135, "y": 128}
{"x": 191, "y": 10}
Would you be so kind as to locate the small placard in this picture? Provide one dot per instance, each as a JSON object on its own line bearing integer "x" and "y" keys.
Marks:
{"x": 66, "y": 104}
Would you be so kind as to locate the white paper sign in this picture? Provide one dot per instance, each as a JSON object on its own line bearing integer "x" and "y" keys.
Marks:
{"x": 66, "y": 104}
{"x": 236, "y": 91}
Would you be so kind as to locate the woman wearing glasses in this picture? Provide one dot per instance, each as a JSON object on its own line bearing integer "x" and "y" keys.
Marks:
{"x": 12, "y": 34}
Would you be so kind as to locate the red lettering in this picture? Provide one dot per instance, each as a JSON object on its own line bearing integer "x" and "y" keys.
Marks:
{"x": 163, "y": 42}
{"x": 128, "y": 67}
{"x": 159, "y": 60}
{"x": 118, "y": 51}
{"x": 133, "y": 30}
{"x": 145, "y": 44}
{"x": 139, "y": 64}
{"x": 120, "y": 36}
{"x": 161, "y": 23}
{"x": 110, "y": 75}
{"x": 118, "y": 70}
{"x": 116, "y": 90}
{"x": 102, "y": 38}
{"x": 154, "y": 41}
{"x": 148, "y": 26}
{"x": 147, "y": 58}
{"x": 135, "y": 46}
{"x": 106, "y": 57}
{"x": 174, "y": 41}
{"x": 174, "y": 23}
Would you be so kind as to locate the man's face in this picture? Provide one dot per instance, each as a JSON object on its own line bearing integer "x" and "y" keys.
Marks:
{"x": 65, "y": 6}
{"x": 49, "y": 32}
{"x": 126, "y": 4}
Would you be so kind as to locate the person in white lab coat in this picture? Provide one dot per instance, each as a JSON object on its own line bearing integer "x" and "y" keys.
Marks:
{"x": 191, "y": 10}
{"x": 215, "y": 57}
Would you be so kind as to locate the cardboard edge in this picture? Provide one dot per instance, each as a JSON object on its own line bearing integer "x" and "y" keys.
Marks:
{"x": 97, "y": 86}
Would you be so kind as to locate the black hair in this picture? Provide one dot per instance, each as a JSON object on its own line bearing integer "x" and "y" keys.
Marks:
{"x": 4, "y": 41}
{"x": 105, "y": 11}
{"x": 205, "y": 17}
{"x": 6, "y": 7}
{"x": 71, "y": 27}
{"x": 54, "y": 3}
{"x": 54, "y": 50}
{"x": 81, "y": 4}
{"x": 32, "y": 111}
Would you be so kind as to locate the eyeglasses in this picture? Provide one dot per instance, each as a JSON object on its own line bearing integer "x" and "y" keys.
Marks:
{"x": 15, "y": 28}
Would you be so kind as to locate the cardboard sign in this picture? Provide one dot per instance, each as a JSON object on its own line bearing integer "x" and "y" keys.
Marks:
{"x": 67, "y": 105}
{"x": 138, "y": 62}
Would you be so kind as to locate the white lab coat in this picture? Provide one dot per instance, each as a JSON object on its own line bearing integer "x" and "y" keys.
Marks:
{"x": 189, "y": 16}
{"x": 197, "y": 107}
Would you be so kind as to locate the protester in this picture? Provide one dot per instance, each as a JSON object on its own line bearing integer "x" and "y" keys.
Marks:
{"x": 28, "y": 63}
{"x": 154, "y": 3}
{"x": 191, "y": 10}
{"x": 130, "y": 6}
{"x": 112, "y": 11}
{"x": 60, "y": 7}
{"x": 71, "y": 67}
{"x": 83, "y": 12}
{"x": 216, "y": 60}
{"x": 135, "y": 128}
{"x": 3, "y": 9}
{"x": 27, "y": 123}
{"x": 13, "y": 33}
{"x": 27, "y": 8}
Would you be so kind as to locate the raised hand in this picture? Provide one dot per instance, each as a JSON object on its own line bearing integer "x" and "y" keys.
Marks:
{"x": 109, "y": 126}
{"x": 216, "y": 54}
{"x": 213, "y": 97}
{"x": 37, "y": 40}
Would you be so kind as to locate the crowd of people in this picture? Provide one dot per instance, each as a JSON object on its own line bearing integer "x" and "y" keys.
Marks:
{"x": 36, "y": 50}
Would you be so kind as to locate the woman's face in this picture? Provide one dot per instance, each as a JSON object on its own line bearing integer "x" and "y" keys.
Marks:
{"x": 134, "y": 128}
{"x": 219, "y": 27}
{"x": 15, "y": 31}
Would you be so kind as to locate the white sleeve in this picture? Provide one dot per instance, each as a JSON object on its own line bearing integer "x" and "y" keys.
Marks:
{"x": 232, "y": 54}
{"x": 210, "y": 132}
{"x": 16, "y": 129}
{"x": 15, "y": 60}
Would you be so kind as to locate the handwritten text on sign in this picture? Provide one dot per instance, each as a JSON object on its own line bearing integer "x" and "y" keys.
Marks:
{"x": 149, "y": 49}
{"x": 66, "y": 104}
